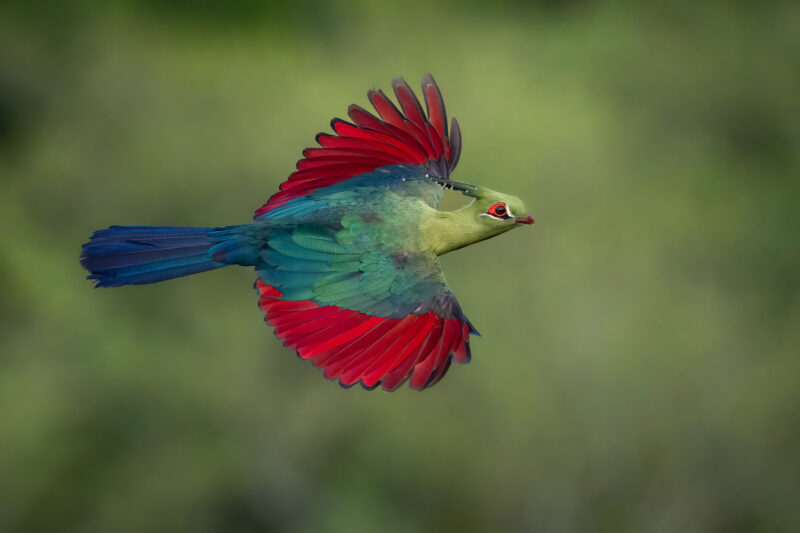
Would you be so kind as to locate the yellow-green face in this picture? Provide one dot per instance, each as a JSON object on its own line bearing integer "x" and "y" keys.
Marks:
{"x": 500, "y": 212}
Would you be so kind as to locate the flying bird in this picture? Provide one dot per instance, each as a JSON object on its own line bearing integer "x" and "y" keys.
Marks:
{"x": 346, "y": 252}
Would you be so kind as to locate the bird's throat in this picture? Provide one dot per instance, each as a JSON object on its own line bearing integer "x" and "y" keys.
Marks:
{"x": 445, "y": 231}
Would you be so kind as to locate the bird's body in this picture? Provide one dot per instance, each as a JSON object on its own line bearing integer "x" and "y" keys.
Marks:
{"x": 346, "y": 253}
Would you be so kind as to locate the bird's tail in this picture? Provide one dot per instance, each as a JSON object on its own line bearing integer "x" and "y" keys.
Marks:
{"x": 133, "y": 255}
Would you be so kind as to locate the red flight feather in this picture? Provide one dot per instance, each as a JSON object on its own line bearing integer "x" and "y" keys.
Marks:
{"x": 355, "y": 347}
{"x": 407, "y": 136}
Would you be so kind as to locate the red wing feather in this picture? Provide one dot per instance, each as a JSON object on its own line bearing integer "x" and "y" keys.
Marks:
{"x": 355, "y": 347}
{"x": 336, "y": 366}
{"x": 408, "y": 347}
{"x": 437, "y": 115}
{"x": 386, "y": 108}
{"x": 405, "y": 369}
{"x": 323, "y": 161}
{"x": 407, "y": 136}
{"x": 408, "y": 102}
{"x": 448, "y": 344}
{"x": 356, "y": 368}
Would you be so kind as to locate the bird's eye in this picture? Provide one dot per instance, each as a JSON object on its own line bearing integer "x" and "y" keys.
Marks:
{"x": 499, "y": 210}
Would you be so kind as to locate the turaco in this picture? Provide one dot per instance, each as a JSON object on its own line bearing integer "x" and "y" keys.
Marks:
{"x": 346, "y": 253}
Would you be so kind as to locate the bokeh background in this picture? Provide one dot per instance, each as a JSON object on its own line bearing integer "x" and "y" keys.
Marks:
{"x": 640, "y": 362}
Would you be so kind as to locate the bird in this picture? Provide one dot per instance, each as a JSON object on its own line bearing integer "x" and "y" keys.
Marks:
{"x": 346, "y": 252}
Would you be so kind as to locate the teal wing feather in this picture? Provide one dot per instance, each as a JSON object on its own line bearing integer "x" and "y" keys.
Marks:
{"x": 374, "y": 194}
{"x": 349, "y": 268}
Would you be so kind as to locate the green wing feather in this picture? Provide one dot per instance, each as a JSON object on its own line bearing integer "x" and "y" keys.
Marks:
{"x": 351, "y": 267}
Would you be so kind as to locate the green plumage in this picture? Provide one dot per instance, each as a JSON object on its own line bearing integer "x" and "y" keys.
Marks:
{"x": 371, "y": 243}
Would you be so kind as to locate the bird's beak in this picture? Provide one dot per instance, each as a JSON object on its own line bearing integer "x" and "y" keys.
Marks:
{"x": 525, "y": 220}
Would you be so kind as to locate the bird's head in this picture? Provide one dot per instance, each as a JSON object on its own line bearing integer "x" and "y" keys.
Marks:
{"x": 489, "y": 214}
{"x": 497, "y": 212}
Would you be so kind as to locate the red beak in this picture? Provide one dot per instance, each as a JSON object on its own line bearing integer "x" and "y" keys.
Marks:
{"x": 525, "y": 220}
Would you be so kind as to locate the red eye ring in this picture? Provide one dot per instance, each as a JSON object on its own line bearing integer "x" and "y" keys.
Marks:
{"x": 499, "y": 210}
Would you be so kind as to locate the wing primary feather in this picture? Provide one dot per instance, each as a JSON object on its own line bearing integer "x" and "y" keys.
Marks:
{"x": 346, "y": 129}
{"x": 304, "y": 322}
{"x": 336, "y": 366}
{"x": 408, "y": 101}
{"x": 357, "y": 347}
{"x": 461, "y": 353}
{"x": 328, "y": 328}
{"x": 413, "y": 110}
{"x": 423, "y": 369}
{"x": 408, "y": 341}
{"x": 345, "y": 336}
{"x": 327, "y": 160}
{"x": 402, "y": 372}
{"x": 346, "y": 152}
{"x": 365, "y": 119}
{"x": 343, "y": 320}
{"x": 434, "y": 104}
{"x": 337, "y": 142}
{"x": 321, "y": 359}
{"x": 455, "y": 144}
{"x": 386, "y": 108}
{"x": 450, "y": 340}
{"x": 441, "y": 373}
{"x": 297, "y": 317}
{"x": 355, "y": 368}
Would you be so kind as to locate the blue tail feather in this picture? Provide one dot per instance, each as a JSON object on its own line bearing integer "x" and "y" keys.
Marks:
{"x": 133, "y": 255}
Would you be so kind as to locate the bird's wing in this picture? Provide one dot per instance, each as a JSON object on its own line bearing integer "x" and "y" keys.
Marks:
{"x": 396, "y": 136}
{"x": 363, "y": 315}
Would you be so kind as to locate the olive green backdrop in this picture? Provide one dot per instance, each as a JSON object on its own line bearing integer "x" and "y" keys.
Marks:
{"x": 640, "y": 362}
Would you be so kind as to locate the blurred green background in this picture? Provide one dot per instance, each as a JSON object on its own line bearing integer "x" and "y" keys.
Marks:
{"x": 640, "y": 359}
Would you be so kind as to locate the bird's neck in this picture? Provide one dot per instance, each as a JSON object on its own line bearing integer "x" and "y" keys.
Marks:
{"x": 445, "y": 231}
